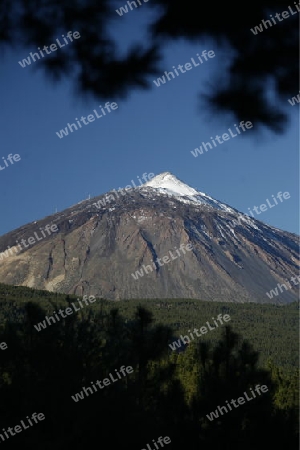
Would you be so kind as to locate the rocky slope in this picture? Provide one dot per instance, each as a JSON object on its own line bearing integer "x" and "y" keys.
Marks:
{"x": 101, "y": 242}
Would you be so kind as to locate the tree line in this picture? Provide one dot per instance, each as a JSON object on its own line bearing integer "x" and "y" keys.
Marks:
{"x": 168, "y": 393}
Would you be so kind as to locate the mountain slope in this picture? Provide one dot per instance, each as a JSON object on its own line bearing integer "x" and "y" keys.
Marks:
{"x": 97, "y": 248}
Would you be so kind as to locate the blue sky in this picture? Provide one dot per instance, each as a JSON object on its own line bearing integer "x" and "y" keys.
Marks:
{"x": 151, "y": 131}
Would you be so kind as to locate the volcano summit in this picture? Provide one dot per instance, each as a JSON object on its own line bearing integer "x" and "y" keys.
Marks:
{"x": 96, "y": 249}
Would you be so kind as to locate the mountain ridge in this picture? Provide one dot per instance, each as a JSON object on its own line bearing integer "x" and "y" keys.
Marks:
{"x": 96, "y": 249}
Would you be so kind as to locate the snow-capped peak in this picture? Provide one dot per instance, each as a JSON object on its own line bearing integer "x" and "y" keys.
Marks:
{"x": 166, "y": 183}
{"x": 169, "y": 182}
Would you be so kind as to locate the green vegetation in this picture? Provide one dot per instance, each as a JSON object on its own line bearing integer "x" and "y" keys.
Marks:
{"x": 168, "y": 393}
{"x": 271, "y": 329}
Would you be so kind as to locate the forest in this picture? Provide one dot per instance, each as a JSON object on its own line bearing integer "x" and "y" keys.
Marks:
{"x": 167, "y": 394}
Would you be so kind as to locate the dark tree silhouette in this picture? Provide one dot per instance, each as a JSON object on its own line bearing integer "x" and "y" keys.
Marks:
{"x": 226, "y": 372}
{"x": 262, "y": 69}
{"x": 40, "y": 371}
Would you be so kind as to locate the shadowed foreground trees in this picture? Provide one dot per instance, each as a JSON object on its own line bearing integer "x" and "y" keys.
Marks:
{"x": 41, "y": 370}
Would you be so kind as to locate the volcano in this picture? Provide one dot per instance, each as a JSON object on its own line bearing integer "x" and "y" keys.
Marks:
{"x": 100, "y": 243}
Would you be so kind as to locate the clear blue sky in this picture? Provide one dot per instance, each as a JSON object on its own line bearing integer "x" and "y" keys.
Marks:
{"x": 152, "y": 131}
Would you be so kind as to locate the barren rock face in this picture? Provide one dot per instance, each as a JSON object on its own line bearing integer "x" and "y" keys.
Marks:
{"x": 97, "y": 249}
